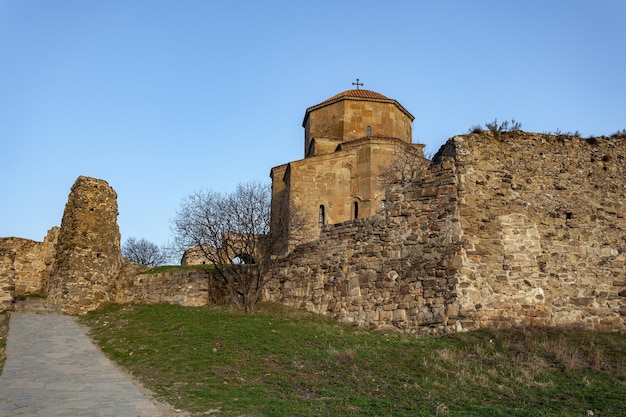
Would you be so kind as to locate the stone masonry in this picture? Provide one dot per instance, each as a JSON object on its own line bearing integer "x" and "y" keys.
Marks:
{"x": 524, "y": 229}
{"x": 89, "y": 258}
{"x": 25, "y": 265}
{"x": 394, "y": 270}
{"x": 187, "y": 287}
{"x": 7, "y": 277}
{"x": 543, "y": 222}
{"x": 349, "y": 140}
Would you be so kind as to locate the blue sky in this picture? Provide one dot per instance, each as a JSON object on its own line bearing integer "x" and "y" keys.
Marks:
{"x": 165, "y": 98}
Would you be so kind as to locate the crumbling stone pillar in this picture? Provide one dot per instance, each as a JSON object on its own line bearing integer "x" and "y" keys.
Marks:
{"x": 47, "y": 256}
{"x": 88, "y": 257}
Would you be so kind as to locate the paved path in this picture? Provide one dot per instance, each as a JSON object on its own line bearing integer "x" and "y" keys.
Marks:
{"x": 54, "y": 370}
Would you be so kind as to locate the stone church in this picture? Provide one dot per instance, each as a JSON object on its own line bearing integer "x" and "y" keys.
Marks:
{"x": 349, "y": 139}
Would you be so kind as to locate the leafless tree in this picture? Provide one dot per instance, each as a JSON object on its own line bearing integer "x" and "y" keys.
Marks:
{"x": 143, "y": 252}
{"x": 404, "y": 169}
{"x": 233, "y": 232}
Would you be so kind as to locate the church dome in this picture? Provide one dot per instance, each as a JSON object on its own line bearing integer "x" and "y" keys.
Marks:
{"x": 351, "y": 115}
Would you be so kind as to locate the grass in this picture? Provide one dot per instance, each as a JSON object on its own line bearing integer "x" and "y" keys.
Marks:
{"x": 32, "y": 296}
{"x": 285, "y": 362}
{"x": 167, "y": 268}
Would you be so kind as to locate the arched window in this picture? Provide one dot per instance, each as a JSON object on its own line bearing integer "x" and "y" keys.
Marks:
{"x": 368, "y": 130}
{"x": 243, "y": 258}
{"x": 321, "y": 220}
{"x": 356, "y": 210}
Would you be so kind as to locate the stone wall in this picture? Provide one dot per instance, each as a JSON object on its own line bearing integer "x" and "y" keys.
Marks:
{"x": 189, "y": 287}
{"x": 543, "y": 222}
{"x": 89, "y": 259}
{"x": 196, "y": 256}
{"x": 25, "y": 266}
{"x": 7, "y": 277}
{"x": 79, "y": 266}
{"x": 394, "y": 270}
{"x": 521, "y": 229}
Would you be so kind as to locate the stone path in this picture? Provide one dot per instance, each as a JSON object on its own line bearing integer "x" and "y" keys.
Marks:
{"x": 54, "y": 370}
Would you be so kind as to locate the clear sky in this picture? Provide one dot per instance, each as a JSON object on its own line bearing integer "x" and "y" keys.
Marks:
{"x": 165, "y": 98}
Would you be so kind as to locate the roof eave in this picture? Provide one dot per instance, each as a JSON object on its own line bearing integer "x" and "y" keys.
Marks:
{"x": 338, "y": 99}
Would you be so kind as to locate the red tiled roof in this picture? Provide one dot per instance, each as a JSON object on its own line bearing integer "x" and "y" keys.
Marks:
{"x": 355, "y": 95}
{"x": 359, "y": 94}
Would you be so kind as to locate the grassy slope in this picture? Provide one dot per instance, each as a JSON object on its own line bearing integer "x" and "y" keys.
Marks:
{"x": 281, "y": 362}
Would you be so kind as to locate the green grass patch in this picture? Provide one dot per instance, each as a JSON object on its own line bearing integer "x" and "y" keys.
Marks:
{"x": 286, "y": 362}
{"x": 32, "y": 296}
{"x": 167, "y": 268}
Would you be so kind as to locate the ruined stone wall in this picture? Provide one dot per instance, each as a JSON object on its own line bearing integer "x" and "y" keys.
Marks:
{"x": 544, "y": 226}
{"x": 196, "y": 256}
{"x": 88, "y": 260}
{"x": 521, "y": 229}
{"x": 25, "y": 265}
{"x": 189, "y": 287}
{"x": 394, "y": 270}
{"x": 46, "y": 257}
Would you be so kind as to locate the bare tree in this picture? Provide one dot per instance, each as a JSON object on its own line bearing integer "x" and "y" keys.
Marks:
{"x": 404, "y": 169}
{"x": 233, "y": 232}
{"x": 143, "y": 252}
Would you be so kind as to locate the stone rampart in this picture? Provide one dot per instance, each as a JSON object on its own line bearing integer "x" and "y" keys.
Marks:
{"x": 521, "y": 229}
{"x": 543, "y": 221}
{"x": 25, "y": 266}
{"x": 394, "y": 270}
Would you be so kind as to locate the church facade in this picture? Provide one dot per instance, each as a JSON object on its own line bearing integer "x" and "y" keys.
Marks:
{"x": 349, "y": 140}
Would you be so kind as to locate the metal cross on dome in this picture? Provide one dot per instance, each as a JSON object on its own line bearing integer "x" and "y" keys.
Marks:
{"x": 357, "y": 83}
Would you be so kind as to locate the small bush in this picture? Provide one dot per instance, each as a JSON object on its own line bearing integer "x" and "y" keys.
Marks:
{"x": 498, "y": 128}
{"x": 475, "y": 129}
{"x": 619, "y": 134}
{"x": 575, "y": 134}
